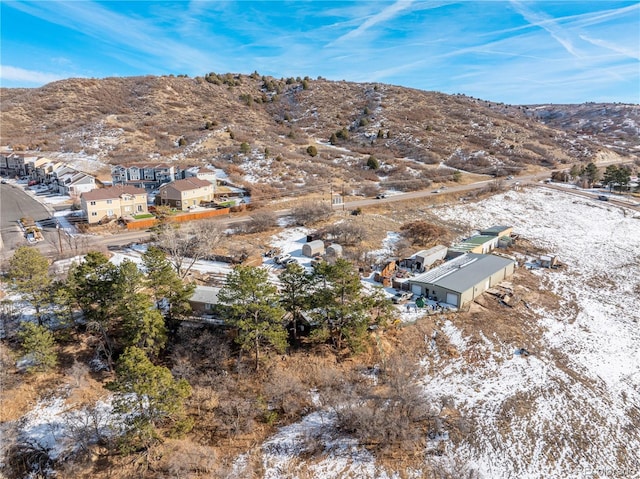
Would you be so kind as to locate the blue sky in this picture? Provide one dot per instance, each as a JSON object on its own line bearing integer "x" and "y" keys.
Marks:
{"x": 515, "y": 52}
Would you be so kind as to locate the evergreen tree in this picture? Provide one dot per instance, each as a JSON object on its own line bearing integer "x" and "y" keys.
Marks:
{"x": 143, "y": 325}
{"x": 38, "y": 344}
{"x": 295, "y": 291}
{"x": 341, "y": 306}
{"x": 254, "y": 310}
{"x": 150, "y": 397}
{"x": 169, "y": 291}
{"x": 29, "y": 275}
{"x": 312, "y": 150}
{"x": 591, "y": 173}
{"x": 372, "y": 163}
{"x": 96, "y": 287}
{"x": 616, "y": 176}
{"x": 93, "y": 284}
{"x": 63, "y": 302}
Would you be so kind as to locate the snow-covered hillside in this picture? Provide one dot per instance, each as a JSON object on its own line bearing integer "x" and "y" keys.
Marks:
{"x": 571, "y": 408}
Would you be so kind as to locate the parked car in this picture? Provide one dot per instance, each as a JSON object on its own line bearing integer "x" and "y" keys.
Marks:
{"x": 288, "y": 261}
{"x": 436, "y": 191}
{"x": 402, "y": 296}
{"x": 603, "y": 198}
{"x": 4, "y": 182}
{"x": 380, "y": 196}
{"x": 316, "y": 260}
{"x": 279, "y": 259}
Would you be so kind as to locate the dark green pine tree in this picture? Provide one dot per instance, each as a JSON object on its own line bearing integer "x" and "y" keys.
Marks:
{"x": 151, "y": 397}
{"x": 170, "y": 293}
{"x": 341, "y": 306}
{"x": 254, "y": 309}
{"x": 38, "y": 344}
{"x": 29, "y": 275}
{"x": 295, "y": 293}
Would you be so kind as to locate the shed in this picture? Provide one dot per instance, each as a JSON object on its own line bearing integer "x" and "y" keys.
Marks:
{"x": 500, "y": 230}
{"x": 463, "y": 279}
{"x": 425, "y": 258}
{"x": 334, "y": 250}
{"x": 313, "y": 248}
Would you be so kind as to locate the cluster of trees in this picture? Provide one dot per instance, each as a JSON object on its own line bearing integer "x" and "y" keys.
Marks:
{"x": 616, "y": 176}
{"x": 129, "y": 316}
{"x": 332, "y": 297}
{"x": 589, "y": 173}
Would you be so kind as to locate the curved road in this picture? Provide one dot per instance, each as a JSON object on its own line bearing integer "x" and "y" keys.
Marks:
{"x": 15, "y": 203}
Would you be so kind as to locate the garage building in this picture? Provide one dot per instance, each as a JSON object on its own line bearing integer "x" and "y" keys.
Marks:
{"x": 463, "y": 278}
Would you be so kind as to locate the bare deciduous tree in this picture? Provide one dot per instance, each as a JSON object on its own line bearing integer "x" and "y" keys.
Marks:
{"x": 311, "y": 212}
{"x": 347, "y": 232}
{"x": 261, "y": 221}
{"x": 188, "y": 244}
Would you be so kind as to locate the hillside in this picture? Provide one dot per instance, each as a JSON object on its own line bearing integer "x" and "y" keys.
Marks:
{"x": 612, "y": 125}
{"x": 567, "y": 408}
{"x": 183, "y": 120}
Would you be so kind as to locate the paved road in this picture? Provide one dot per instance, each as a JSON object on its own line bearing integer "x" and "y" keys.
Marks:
{"x": 15, "y": 203}
{"x": 450, "y": 189}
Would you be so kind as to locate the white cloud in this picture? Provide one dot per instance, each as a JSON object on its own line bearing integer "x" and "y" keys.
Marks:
{"x": 387, "y": 14}
{"x": 16, "y": 74}
{"x": 629, "y": 52}
{"x": 549, "y": 24}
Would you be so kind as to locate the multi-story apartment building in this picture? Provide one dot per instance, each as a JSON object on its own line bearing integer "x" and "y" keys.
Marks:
{"x": 148, "y": 176}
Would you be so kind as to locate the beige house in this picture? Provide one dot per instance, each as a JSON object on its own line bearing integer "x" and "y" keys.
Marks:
{"x": 113, "y": 202}
{"x": 186, "y": 194}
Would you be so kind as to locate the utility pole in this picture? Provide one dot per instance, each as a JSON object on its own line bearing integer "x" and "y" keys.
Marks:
{"x": 59, "y": 237}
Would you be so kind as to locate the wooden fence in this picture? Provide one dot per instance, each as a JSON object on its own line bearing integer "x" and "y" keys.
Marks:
{"x": 180, "y": 218}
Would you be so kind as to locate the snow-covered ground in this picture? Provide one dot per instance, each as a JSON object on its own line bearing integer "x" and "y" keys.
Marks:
{"x": 571, "y": 408}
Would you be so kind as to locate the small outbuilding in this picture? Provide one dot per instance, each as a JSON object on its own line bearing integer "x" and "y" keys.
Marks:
{"x": 479, "y": 244}
{"x": 334, "y": 250}
{"x": 497, "y": 231}
{"x": 425, "y": 258}
{"x": 313, "y": 248}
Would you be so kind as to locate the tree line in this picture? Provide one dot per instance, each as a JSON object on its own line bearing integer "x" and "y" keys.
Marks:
{"x": 131, "y": 314}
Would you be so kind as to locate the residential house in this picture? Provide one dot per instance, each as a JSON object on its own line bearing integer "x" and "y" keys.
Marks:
{"x": 113, "y": 202}
{"x": 43, "y": 169}
{"x": 462, "y": 279}
{"x": 74, "y": 184}
{"x": 186, "y": 194}
{"x": 148, "y": 176}
{"x": 203, "y": 172}
{"x": 204, "y": 300}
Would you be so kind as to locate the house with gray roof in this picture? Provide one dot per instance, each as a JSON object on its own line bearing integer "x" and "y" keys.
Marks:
{"x": 462, "y": 279}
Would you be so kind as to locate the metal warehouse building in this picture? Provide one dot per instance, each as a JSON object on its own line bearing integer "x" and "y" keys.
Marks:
{"x": 462, "y": 279}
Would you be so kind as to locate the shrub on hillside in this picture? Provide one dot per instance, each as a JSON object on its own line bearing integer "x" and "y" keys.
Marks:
{"x": 311, "y": 212}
